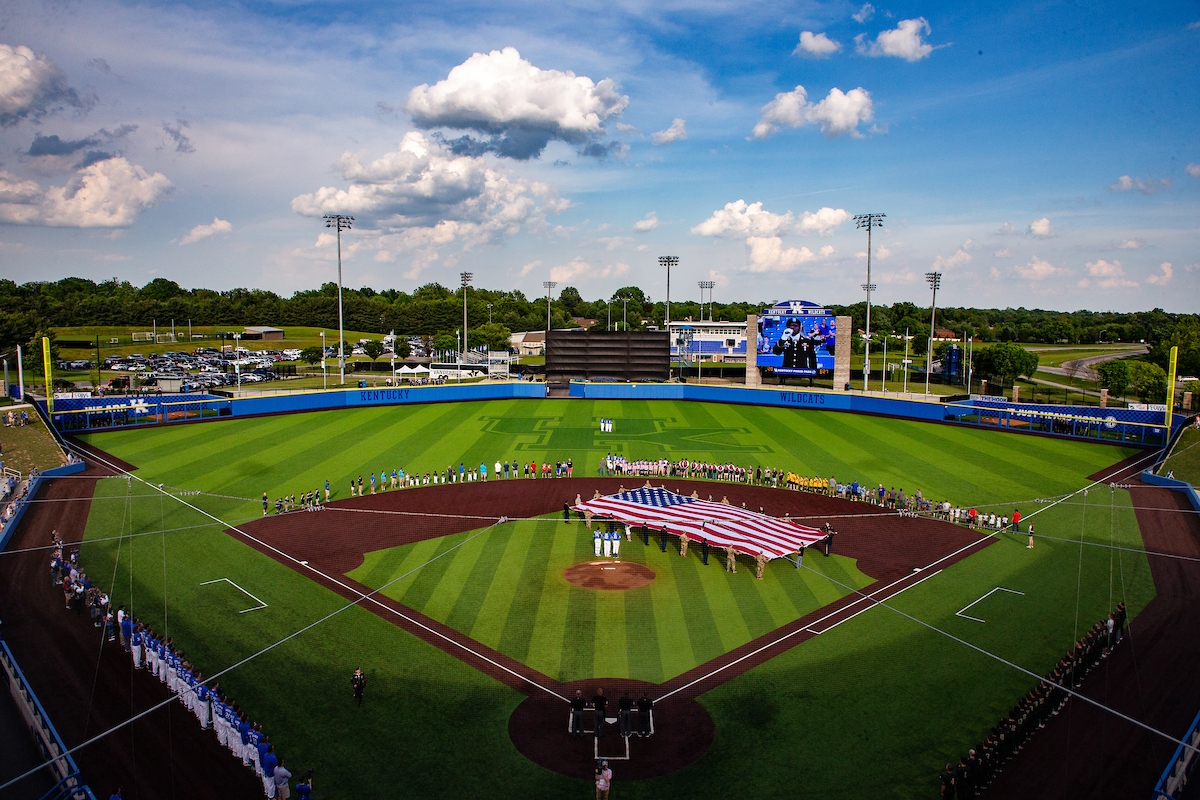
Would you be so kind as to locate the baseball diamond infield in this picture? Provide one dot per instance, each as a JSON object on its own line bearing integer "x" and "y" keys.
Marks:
{"x": 898, "y": 552}
{"x": 708, "y": 711}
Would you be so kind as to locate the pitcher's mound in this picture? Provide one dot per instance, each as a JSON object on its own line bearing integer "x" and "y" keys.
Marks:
{"x": 609, "y": 575}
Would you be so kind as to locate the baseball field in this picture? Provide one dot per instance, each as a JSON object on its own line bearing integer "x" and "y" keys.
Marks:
{"x": 469, "y": 634}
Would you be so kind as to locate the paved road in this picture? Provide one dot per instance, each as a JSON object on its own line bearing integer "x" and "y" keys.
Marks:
{"x": 1082, "y": 367}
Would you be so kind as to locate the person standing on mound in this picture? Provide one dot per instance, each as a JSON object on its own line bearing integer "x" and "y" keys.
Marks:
{"x": 596, "y": 539}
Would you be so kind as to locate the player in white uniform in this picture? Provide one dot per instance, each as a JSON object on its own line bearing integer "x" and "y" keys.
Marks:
{"x": 616, "y": 544}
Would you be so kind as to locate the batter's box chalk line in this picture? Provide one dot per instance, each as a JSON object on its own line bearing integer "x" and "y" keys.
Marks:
{"x": 260, "y": 605}
{"x": 960, "y": 613}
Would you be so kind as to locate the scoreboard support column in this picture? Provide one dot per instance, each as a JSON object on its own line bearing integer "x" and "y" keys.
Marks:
{"x": 841, "y": 354}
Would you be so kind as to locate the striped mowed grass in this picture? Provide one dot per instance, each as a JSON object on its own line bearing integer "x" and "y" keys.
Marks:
{"x": 242, "y": 458}
{"x": 505, "y": 588}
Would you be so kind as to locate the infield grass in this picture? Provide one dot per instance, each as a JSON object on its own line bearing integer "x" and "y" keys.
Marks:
{"x": 872, "y": 707}
{"x": 506, "y": 589}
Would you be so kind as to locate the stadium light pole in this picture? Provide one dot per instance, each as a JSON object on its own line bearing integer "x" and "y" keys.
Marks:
{"x": 342, "y": 223}
{"x": 324, "y": 375}
{"x": 549, "y": 285}
{"x": 624, "y": 311}
{"x": 489, "y": 305}
{"x": 868, "y": 221}
{"x": 934, "y": 279}
{"x": 466, "y": 279}
{"x": 668, "y": 262}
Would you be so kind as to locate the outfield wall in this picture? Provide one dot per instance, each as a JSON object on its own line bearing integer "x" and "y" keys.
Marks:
{"x": 1118, "y": 425}
{"x": 817, "y": 400}
{"x": 385, "y": 396}
{"x": 105, "y": 413}
{"x": 1085, "y": 422}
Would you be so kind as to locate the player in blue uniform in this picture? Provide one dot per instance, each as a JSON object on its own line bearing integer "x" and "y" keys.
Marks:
{"x": 596, "y": 537}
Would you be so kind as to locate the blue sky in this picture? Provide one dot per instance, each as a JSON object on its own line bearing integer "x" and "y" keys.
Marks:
{"x": 1039, "y": 155}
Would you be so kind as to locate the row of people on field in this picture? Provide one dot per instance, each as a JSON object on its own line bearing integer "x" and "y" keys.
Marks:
{"x": 978, "y": 768}
{"x": 166, "y": 662}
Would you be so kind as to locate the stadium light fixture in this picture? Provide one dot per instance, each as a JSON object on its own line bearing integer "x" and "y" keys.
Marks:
{"x": 668, "y": 262}
{"x": 489, "y": 305}
{"x": 934, "y": 279}
{"x": 706, "y": 285}
{"x": 342, "y": 223}
{"x": 549, "y": 285}
{"x": 624, "y": 311}
{"x": 466, "y": 279}
{"x": 868, "y": 221}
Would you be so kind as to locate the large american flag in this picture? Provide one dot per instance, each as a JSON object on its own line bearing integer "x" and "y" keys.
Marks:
{"x": 748, "y": 531}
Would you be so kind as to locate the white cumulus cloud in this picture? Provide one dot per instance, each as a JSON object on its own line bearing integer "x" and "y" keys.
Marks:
{"x": 740, "y": 220}
{"x": 519, "y": 106}
{"x": 863, "y": 14}
{"x": 837, "y": 115}
{"x": 1042, "y": 229}
{"x": 1003, "y": 252}
{"x": 1131, "y": 244}
{"x": 646, "y": 223}
{"x": 822, "y": 222}
{"x": 30, "y": 85}
{"x": 1163, "y": 276}
{"x": 1143, "y": 185}
{"x": 107, "y": 194}
{"x": 1106, "y": 275}
{"x": 422, "y": 188}
{"x": 1193, "y": 170}
{"x": 204, "y": 231}
{"x": 677, "y": 131}
{"x": 816, "y": 45}
{"x": 903, "y": 41}
{"x": 959, "y": 259}
{"x": 767, "y": 254}
{"x": 578, "y": 268}
{"x": 1037, "y": 270}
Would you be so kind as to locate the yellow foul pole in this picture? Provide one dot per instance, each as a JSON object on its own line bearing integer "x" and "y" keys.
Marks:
{"x": 1171, "y": 389}
{"x": 46, "y": 363}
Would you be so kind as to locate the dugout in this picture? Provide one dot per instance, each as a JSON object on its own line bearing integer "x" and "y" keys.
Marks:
{"x": 630, "y": 356}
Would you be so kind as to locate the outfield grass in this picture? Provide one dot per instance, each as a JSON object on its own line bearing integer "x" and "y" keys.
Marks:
{"x": 872, "y": 707}
{"x": 1184, "y": 460}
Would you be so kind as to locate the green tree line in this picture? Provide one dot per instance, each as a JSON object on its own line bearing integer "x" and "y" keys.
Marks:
{"x": 28, "y": 310}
